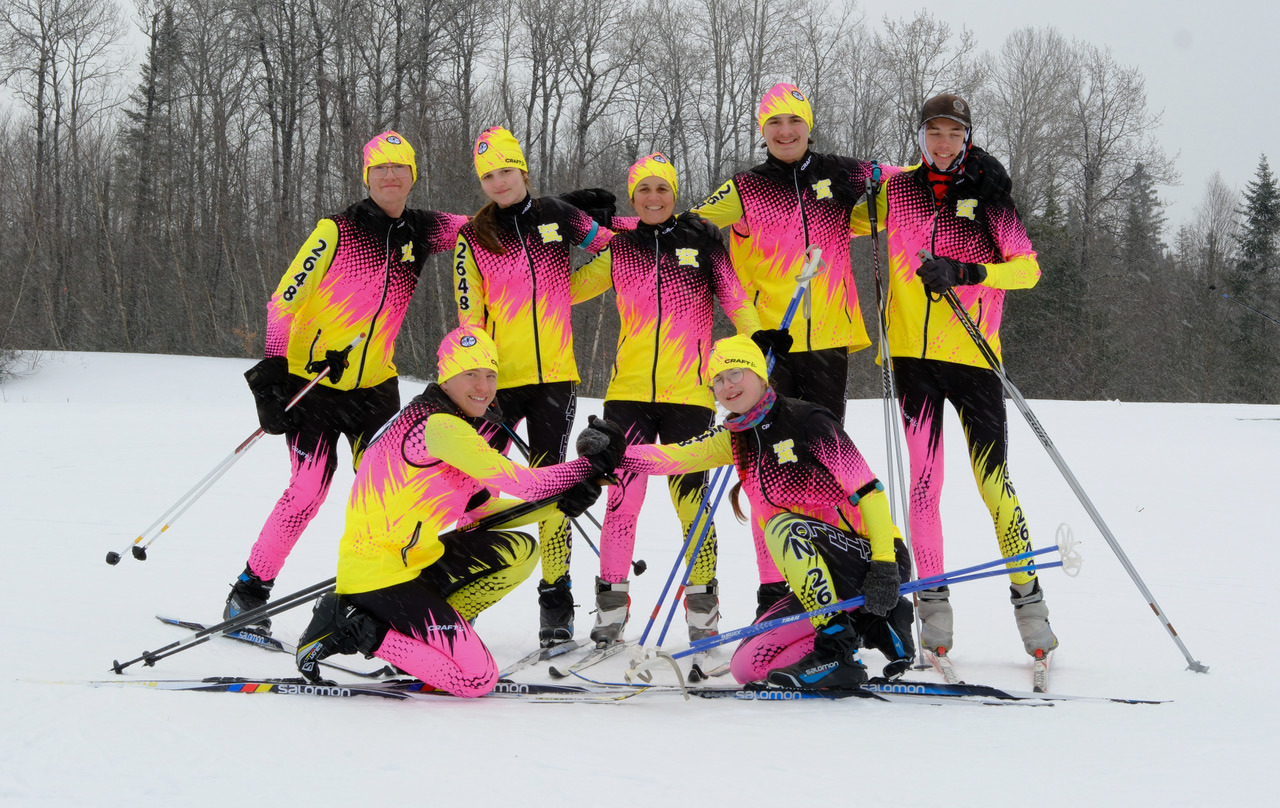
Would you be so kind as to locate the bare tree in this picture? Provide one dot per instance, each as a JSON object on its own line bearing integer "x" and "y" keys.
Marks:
{"x": 1024, "y": 110}
{"x": 922, "y": 58}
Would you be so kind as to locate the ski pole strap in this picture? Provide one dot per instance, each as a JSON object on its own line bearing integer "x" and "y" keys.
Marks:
{"x": 326, "y": 370}
{"x": 856, "y": 496}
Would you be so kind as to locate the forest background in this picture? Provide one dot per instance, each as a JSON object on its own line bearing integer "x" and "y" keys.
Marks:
{"x": 153, "y": 206}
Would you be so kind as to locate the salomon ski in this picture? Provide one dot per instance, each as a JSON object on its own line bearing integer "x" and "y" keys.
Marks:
{"x": 269, "y": 643}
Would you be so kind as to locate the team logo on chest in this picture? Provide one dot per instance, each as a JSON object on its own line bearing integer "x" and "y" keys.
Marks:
{"x": 965, "y": 208}
{"x": 822, "y": 188}
{"x": 786, "y": 451}
{"x": 687, "y": 256}
{"x": 406, "y": 252}
{"x": 549, "y": 232}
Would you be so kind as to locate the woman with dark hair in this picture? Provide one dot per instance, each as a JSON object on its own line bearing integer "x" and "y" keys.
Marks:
{"x": 511, "y": 279}
{"x": 667, "y": 274}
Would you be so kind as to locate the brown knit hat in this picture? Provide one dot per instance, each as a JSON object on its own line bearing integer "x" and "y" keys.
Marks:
{"x": 946, "y": 106}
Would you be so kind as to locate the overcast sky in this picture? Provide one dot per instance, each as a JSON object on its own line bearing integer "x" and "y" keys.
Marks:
{"x": 1212, "y": 67}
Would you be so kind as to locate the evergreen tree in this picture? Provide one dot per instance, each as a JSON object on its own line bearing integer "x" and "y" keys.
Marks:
{"x": 1252, "y": 342}
{"x": 1258, "y": 237}
{"x": 1145, "y": 290}
{"x": 1038, "y": 321}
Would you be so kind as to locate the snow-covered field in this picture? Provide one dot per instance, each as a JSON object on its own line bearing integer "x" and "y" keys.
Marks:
{"x": 98, "y": 445}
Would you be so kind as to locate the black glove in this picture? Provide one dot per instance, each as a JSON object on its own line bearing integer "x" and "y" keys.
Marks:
{"x": 773, "y": 339}
{"x": 707, "y": 227}
{"x": 603, "y": 443}
{"x": 940, "y": 274}
{"x": 985, "y": 177}
{"x": 597, "y": 203}
{"x": 881, "y": 587}
{"x": 576, "y": 500}
{"x": 272, "y": 388}
{"x": 335, "y": 361}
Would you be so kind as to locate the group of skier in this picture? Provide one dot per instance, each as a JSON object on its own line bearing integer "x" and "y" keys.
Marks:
{"x": 408, "y": 591}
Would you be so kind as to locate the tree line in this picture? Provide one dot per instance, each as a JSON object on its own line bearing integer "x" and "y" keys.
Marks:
{"x": 153, "y": 206}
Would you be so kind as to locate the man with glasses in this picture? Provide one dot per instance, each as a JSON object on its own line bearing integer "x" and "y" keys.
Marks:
{"x": 354, "y": 276}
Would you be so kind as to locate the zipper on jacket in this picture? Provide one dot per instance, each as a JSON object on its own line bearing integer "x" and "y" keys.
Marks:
{"x": 533, "y": 302}
{"x": 413, "y": 542}
{"x": 804, "y": 227}
{"x": 657, "y": 326}
{"x": 928, "y": 299}
{"x": 386, "y": 284}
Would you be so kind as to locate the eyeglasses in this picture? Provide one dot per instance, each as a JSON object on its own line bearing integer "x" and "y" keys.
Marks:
{"x": 732, "y": 376}
{"x": 395, "y": 170}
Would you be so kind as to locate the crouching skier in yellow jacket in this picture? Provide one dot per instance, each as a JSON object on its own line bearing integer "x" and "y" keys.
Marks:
{"x": 405, "y": 593}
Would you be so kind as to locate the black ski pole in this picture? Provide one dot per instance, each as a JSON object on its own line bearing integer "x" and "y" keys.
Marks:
{"x": 994, "y": 361}
{"x": 1246, "y": 306}
{"x": 312, "y": 592}
{"x": 239, "y": 621}
{"x": 638, "y": 567}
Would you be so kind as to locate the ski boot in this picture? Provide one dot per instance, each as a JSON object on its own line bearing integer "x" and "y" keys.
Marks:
{"x": 555, "y": 603}
{"x": 702, "y": 610}
{"x": 833, "y": 662}
{"x": 337, "y": 627}
{"x": 249, "y": 592}
{"x": 613, "y": 607}
{"x": 936, "y": 618}
{"x": 890, "y": 635}
{"x": 1032, "y": 614}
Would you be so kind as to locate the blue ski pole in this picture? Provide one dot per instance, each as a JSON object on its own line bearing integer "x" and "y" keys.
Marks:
{"x": 813, "y": 264}
{"x": 973, "y": 573}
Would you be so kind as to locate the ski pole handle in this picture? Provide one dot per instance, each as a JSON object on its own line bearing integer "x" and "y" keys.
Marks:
{"x": 139, "y": 550}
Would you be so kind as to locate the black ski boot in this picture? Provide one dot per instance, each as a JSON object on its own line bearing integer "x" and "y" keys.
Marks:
{"x": 337, "y": 627}
{"x": 555, "y": 603}
{"x": 249, "y": 592}
{"x": 890, "y": 635}
{"x": 832, "y": 664}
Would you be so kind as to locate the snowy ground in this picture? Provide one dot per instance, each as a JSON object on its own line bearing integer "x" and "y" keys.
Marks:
{"x": 100, "y": 444}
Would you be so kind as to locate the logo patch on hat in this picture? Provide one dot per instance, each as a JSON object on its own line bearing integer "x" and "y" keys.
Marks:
{"x": 797, "y": 95}
{"x": 393, "y": 140}
{"x": 958, "y": 105}
{"x": 658, "y": 158}
{"x": 482, "y": 148}
{"x": 467, "y": 342}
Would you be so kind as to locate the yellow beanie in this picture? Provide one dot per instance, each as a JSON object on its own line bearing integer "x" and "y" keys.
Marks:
{"x": 737, "y": 352}
{"x": 498, "y": 148}
{"x": 655, "y": 165}
{"x": 389, "y": 147}
{"x": 781, "y": 99}
{"x": 465, "y": 348}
